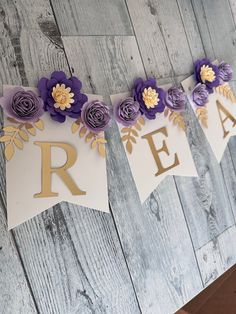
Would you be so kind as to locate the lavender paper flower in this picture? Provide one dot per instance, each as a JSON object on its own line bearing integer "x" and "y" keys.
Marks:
{"x": 207, "y": 73}
{"x": 200, "y": 95}
{"x": 96, "y": 116}
{"x": 175, "y": 99}
{"x": 150, "y": 97}
{"x": 23, "y": 106}
{"x": 225, "y": 72}
{"x": 62, "y": 96}
{"x": 127, "y": 111}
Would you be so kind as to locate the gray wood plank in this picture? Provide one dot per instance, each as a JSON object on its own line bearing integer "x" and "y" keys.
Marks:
{"x": 210, "y": 184}
{"x": 92, "y": 17}
{"x": 78, "y": 268}
{"x": 154, "y": 236}
{"x": 217, "y": 256}
{"x": 15, "y": 295}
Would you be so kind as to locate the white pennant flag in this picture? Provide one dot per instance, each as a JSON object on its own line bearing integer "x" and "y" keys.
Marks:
{"x": 218, "y": 117}
{"x": 25, "y": 171}
{"x": 159, "y": 148}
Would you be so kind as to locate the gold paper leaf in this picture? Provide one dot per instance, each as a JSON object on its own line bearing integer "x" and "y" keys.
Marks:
{"x": 75, "y": 126}
{"x": 141, "y": 120}
{"x": 125, "y": 130}
{"x": 89, "y": 137}
{"x": 135, "y": 133}
{"x": 9, "y": 151}
{"x": 166, "y": 112}
{"x": 18, "y": 143}
{"x": 5, "y": 138}
{"x": 101, "y": 140}
{"x": 12, "y": 120}
{"x": 82, "y": 132}
{"x": 125, "y": 138}
{"x": 9, "y": 129}
{"x": 129, "y": 147}
{"x": 227, "y": 92}
{"x": 133, "y": 139}
{"x": 94, "y": 144}
{"x": 202, "y": 116}
{"x": 138, "y": 126}
{"x": 24, "y": 135}
{"x": 102, "y": 150}
{"x": 39, "y": 124}
{"x": 29, "y": 127}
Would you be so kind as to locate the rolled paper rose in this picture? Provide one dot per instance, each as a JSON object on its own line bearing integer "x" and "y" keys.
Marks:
{"x": 150, "y": 97}
{"x": 23, "y": 106}
{"x": 226, "y": 72}
{"x": 175, "y": 99}
{"x": 207, "y": 73}
{"x": 127, "y": 111}
{"x": 96, "y": 116}
{"x": 62, "y": 96}
{"x": 200, "y": 94}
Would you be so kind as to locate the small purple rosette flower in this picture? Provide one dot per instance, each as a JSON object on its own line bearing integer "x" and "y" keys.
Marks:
{"x": 150, "y": 97}
{"x": 23, "y": 106}
{"x": 96, "y": 116}
{"x": 207, "y": 73}
{"x": 127, "y": 111}
{"x": 200, "y": 95}
{"x": 175, "y": 99}
{"x": 62, "y": 96}
{"x": 226, "y": 72}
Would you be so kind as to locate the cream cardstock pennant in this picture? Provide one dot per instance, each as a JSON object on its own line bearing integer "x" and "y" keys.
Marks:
{"x": 160, "y": 149}
{"x": 86, "y": 171}
{"x": 218, "y": 117}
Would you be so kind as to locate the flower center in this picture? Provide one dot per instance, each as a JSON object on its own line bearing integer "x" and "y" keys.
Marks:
{"x": 62, "y": 96}
{"x": 207, "y": 74}
{"x": 150, "y": 97}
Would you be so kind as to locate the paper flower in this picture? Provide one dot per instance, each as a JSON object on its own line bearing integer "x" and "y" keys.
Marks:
{"x": 149, "y": 96}
{"x": 62, "y": 96}
{"x": 225, "y": 72}
{"x": 207, "y": 73}
{"x": 23, "y": 106}
{"x": 127, "y": 111}
{"x": 200, "y": 94}
{"x": 95, "y": 115}
{"x": 175, "y": 99}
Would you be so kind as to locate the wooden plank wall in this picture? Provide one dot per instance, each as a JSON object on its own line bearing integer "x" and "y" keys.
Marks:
{"x": 149, "y": 258}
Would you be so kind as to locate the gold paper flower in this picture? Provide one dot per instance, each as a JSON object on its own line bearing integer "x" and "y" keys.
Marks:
{"x": 150, "y": 97}
{"x": 62, "y": 96}
{"x": 207, "y": 74}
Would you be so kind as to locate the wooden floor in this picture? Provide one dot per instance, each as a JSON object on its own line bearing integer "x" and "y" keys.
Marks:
{"x": 138, "y": 259}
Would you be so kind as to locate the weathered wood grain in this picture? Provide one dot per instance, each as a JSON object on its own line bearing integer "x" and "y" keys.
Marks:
{"x": 15, "y": 295}
{"x": 154, "y": 236}
{"x": 217, "y": 256}
{"x": 65, "y": 276}
{"x": 92, "y": 17}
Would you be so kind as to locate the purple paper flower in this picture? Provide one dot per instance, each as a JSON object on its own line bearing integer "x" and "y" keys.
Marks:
{"x": 200, "y": 94}
{"x": 175, "y": 99}
{"x": 23, "y": 106}
{"x": 226, "y": 72}
{"x": 62, "y": 96}
{"x": 96, "y": 116}
{"x": 127, "y": 111}
{"x": 207, "y": 73}
{"x": 150, "y": 97}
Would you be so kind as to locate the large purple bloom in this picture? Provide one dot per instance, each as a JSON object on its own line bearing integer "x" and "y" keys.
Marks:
{"x": 127, "y": 111}
{"x": 175, "y": 99}
{"x": 23, "y": 106}
{"x": 96, "y": 116}
{"x": 207, "y": 73}
{"x": 149, "y": 109}
{"x": 62, "y": 96}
